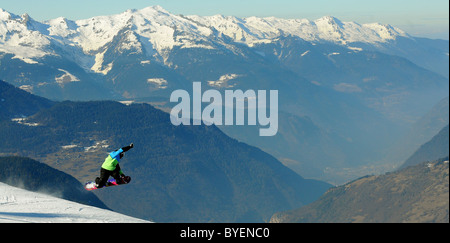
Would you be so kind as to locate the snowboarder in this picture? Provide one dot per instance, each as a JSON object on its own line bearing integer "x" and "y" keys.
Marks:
{"x": 111, "y": 168}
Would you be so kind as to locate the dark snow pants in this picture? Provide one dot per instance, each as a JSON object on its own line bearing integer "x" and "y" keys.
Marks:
{"x": 105, "y": 174}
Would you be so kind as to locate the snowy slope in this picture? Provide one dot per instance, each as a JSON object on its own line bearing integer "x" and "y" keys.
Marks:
{"x": 22, "y": 36}
{"x": 22, "y": 206}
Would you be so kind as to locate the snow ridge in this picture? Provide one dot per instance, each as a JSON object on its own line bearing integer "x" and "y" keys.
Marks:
{"x": 252, "y": 30}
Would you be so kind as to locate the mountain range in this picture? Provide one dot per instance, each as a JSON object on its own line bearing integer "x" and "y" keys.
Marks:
{"x": 354, "y": 88}
{"x": 154, "y": 32}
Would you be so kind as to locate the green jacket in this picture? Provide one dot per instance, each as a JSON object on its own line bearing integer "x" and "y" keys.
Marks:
{"x": 112, "y": 161}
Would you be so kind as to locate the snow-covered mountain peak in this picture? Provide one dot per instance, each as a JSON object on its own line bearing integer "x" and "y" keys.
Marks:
{"x": 8, "y": 16}
{"x": 153, "y": 9}
{"x": 386, "y": 31}
{"x": 329, "y": 20}
{"x": 5, "y": 15}
{"x": 23, "y": 36}
{"x": 61, "y": 27}
{"x": 148, "y": 12}
{"x": 331, "y": 29}
{"x": 153, "y": 23}
{"x": 25, "y": 17}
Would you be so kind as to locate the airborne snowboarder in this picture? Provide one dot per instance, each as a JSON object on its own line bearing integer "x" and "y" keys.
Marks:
{"x": 111, "y": 168}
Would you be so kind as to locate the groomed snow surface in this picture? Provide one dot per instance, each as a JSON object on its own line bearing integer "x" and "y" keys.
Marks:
{"x": 22, "y": 206}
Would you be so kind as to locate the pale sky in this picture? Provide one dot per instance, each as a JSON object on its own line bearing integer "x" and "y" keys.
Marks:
{"x": 417, "y": 17}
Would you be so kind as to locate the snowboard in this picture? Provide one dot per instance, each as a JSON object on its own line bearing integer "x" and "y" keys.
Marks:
{"x": 90, "y": 186}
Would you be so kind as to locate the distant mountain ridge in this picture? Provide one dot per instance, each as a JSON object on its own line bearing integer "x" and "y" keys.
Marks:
{"x": 422, "y": 131}
{"x": 437, "y": 147}
{"x": 16, "y": 103}
{"x": 416, "y": 194}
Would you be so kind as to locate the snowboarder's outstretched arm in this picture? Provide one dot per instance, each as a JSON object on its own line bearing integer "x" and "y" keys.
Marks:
{"x": 126, "y": 148}
{"x": 115, "y": 154}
